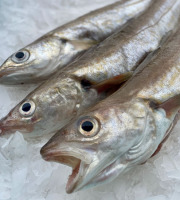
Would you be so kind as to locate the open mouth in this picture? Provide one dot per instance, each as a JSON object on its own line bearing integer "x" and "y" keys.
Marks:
{"x": 66, "y": 159}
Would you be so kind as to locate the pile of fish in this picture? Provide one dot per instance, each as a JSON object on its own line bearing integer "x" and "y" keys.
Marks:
{"x": 110, "y": 89}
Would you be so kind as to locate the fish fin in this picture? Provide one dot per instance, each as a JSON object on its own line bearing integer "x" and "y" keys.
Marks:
{"x": 167, "y": 134}
{"x": 170, "y": 106}
{"x": 83, "y": 44}
{"x": 114, "y": 82}
{"x": 149, "y": 57}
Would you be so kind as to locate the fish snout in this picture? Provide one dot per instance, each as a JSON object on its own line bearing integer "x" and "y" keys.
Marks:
{"x": 3, "y": 73}
{"x": 10, "y": 125}
{"x": 52, "y": 146}
{"x": 48, "y": 150}
{"x": 5, "y": 127}
{"x": 2, "y": 130}
{"x": 6, "y": 68}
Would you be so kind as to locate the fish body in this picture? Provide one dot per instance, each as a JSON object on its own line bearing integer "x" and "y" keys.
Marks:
{"x": 126, "y": 128}
{"x": 45, "y": 56}
{"x": 52, "y": 105}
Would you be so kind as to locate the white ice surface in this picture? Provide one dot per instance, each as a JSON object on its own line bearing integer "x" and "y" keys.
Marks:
{"x": 23, "y": 174}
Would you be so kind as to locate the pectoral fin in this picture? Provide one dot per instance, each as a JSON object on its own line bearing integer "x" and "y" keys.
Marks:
{"x": 170, "y": 106}
{"x": 167, "y": 134}
{"x": 114, "y": 82}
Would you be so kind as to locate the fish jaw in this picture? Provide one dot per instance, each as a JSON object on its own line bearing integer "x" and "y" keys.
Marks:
{"x": 69, "y": 157}
{"x": 9, "y": 125}
{"x": 85, "y": 173}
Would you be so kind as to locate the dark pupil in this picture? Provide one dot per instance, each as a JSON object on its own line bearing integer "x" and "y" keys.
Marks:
{"x": 19, "y": 55}
{"x": 87, "y": 126}
{"x": 26, "y": 107}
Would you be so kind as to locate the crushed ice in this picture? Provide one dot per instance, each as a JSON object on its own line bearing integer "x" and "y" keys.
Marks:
{"x": 23, "y": 174}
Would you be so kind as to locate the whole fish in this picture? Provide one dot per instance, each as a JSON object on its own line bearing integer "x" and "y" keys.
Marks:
{"x": 42, "y": 58}
{"x": 52, "y": 105}
{"x": 125, "y": 129}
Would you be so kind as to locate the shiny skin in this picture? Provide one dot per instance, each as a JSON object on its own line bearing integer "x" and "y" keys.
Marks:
{"x": 130, "y": 128}
{"x": 59, "y": 47}
{"x": 63, "y": 96}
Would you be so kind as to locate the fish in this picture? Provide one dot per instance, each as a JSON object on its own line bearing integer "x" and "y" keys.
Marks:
{"x": 41, "y": 59}
{"x": 85, "y": 82}
{"x": 125, "y": 129}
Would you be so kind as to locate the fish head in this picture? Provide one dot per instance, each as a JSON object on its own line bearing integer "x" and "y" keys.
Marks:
{"x": 100, "y": 144}
{"x": 26, "y": 117}
{"x": 48, "y": 108}
{"x": 20, "y": 118}
{"x": 35, "y": 62}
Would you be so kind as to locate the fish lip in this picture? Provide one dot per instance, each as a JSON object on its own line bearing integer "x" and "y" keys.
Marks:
{"x": 5, "y": 130}
{"x": 78, "y": 168}
{"x": 3, "y": 73}
{"x": 6, "y": 73}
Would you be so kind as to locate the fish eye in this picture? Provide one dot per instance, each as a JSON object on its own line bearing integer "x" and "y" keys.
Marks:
{"x": 88, "y": 126}
{"x": 27, "y": 108}
{"x": 20, "y": 56}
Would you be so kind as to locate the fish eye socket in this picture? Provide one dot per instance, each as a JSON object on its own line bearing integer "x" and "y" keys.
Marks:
{"x": 27, "y": 108}
{"x": 88, "y": 126}
{"x": 20, "y": 56}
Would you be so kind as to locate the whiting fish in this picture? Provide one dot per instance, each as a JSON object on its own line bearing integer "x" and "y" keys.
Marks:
{"x": 125, "y": 129}
{"x": 84, "y": 82}
{"x": 45, "y": 56}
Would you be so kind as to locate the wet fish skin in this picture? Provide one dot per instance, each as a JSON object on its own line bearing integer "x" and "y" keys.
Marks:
{"x": 67, "y": 94}
{"x": 132, "y": 123}
{"x": 45, "y": 56}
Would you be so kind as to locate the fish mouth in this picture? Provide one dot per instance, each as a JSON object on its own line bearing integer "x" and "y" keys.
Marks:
{"x": 5, "y": 129}
{"x": 66, "y": 158}
{"x": 3, "y": 73}
{"x": 7, "y": 76}
{"x": 6, "y": 71}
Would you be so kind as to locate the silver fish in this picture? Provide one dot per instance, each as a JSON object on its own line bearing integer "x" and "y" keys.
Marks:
{"x": 57, "y": 101}
{"x": 125, "y": 129}
{"x": 44, "y": 57}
